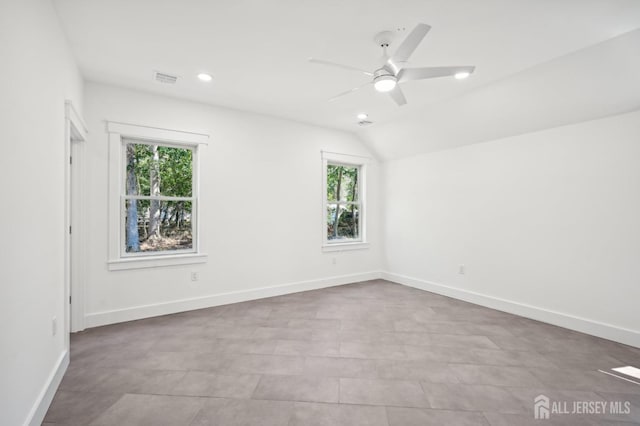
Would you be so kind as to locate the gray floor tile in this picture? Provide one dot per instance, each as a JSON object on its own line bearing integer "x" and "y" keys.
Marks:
{"x": 298, "y": 388}
{"x": 308, "y": 347}
{"x": 201, "y": 383}
{"x": 245, "y": 346}
{"x": 282, "y": 333}
{"x": 452, "y": 396}
{"x": 371, "y": 350}
{"x": 243, "y": 412}
{"x": 182, "y": 361}
{"x": 340, "y": 367}
{"x": 156, "y": 410}
{"x": 427, "y": 417}
{"x": 427, "y": 358}
{"x": 584, "y": 380}
{"x": 78, "y": 408}
{"x": 315, "y": 324}
{"x": 463, "y": 341}
{"x": 312, "y": 414}
{"x": 582, "y": 360}
{"x": 502, "y": 419}
{"x": 400, "y": 393}
{"x": 494, "y": 375}
{"x": 416, "y": 370}
{"x": 511, "y": 358}
{"x": 441, "y": 354}
{"x": 267, "y": 364}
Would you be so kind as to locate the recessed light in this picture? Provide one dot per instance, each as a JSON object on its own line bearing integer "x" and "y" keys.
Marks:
{"x": 362, "y": 116}
{"x": 462, "y": 75}
{"x": 205, "y": 77}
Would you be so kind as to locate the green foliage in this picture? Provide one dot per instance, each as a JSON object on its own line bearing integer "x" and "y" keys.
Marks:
{"x": 171, "y": 169}
{"x": 344, "y": 177}
{"x": 174, "y": 164}
{"x": 342, "y": 186}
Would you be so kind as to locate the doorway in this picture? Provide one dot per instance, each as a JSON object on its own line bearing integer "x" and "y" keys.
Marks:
{"x": 75, "y": 137}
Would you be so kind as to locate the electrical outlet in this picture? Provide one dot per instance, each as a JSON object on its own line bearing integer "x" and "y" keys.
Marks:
{"x": 195, "y": 276}
{"x": 461, "y": 269}
{"x": 334, "y": 260}
{"x": 54, "y": 326}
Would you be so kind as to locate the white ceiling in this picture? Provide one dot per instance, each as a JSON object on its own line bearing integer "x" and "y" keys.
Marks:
{"x": 257, "y": 50}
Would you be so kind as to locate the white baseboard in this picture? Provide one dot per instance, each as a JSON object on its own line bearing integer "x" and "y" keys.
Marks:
{"x": 146, "y": 311}
{"x": 583, "y": 325}
{"x": 39, "y": 410}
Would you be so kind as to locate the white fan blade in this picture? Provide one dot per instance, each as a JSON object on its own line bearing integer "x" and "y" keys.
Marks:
{"x": 397, "y": 95}
{"x": 334, "y": 64}
{"x": 408, "y": 74}
{"x": 409, "y": 45}
{"x": 339, "y": 95}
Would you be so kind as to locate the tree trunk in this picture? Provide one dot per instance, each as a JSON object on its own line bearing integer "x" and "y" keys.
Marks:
{"x": 154, "y": 205}
{"x": 353, "y": 206}
{"x": 337, "y": 215}
{"x": 133, "y": 239}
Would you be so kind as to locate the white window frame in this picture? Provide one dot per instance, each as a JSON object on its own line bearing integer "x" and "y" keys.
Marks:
{"x": 119, "y": 135}
{"x": 351, "y": 161}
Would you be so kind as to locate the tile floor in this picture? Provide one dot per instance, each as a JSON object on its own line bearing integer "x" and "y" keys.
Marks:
{"x": 372, "y": 353}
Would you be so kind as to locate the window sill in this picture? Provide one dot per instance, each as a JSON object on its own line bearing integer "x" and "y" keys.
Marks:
{"x": 156, "y": 261}
{"x": 345, "y": 246}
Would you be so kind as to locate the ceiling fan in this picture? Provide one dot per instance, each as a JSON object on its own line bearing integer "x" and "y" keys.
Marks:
{"x": 392, "y": 70}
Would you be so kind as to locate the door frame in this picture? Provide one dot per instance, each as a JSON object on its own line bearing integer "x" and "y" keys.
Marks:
{"x": 75, "y": 137}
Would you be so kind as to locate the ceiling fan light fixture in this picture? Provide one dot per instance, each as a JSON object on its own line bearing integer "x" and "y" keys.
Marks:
{"x": 385, "y": 83}
{"x": 462, "y": 75}
{"x": 362, "y": 116}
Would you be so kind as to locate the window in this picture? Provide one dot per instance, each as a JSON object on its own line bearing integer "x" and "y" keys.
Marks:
{"x": 157, "y": 202}
{"x": 153, "y": 200}
{"x": 343, "y": 201}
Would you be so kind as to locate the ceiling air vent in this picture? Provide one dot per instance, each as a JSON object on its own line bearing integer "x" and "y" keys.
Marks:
{"x": 364, "y": 123}
{"x": 162, "y": 77}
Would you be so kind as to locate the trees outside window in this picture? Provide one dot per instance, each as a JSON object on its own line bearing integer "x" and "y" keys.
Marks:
{"x": 343, "y": 202}
{"x": 158, "y": 198}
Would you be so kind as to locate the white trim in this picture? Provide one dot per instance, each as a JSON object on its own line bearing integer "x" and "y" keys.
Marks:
{"x": 146, "y": 311}
{"x": 75, "y": 135}
{"x": 155, "y": 261}
{"x": 72, "y": 115}
{"x": 79, "y": 223}
{"x": 345, "y": 158}
{"x": 157, "y": 133}
{"x": 345, "y": 246}
{"x": 40, "y": 407}
{"x": 349, "y": 160}
{"x": 118, "y": 134}
{"x": 583, "y": 325}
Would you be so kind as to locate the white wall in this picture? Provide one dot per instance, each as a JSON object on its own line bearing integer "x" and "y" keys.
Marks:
{"x": 38, "y": 74}
{"x": 548, "y": 219}
{"x": 260, "y": 208}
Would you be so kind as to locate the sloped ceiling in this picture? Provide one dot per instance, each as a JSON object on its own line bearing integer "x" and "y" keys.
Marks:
{"x": 598, "y": 81}
{"x": 539, "y": 62}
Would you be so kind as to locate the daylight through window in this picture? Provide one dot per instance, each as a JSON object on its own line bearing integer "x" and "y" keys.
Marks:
{"x": 158, "y": 202}
{"x": 343, "y": 206}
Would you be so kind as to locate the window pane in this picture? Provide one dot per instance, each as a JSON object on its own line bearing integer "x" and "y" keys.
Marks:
{"x": 342, "y": 183}
{"x": 156, "y": 226}
{"x": 158, "y": 170}
{"x": 137, "y": 169}
{"x": 343, "y": 222}
{"x": 176, "y": 171}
